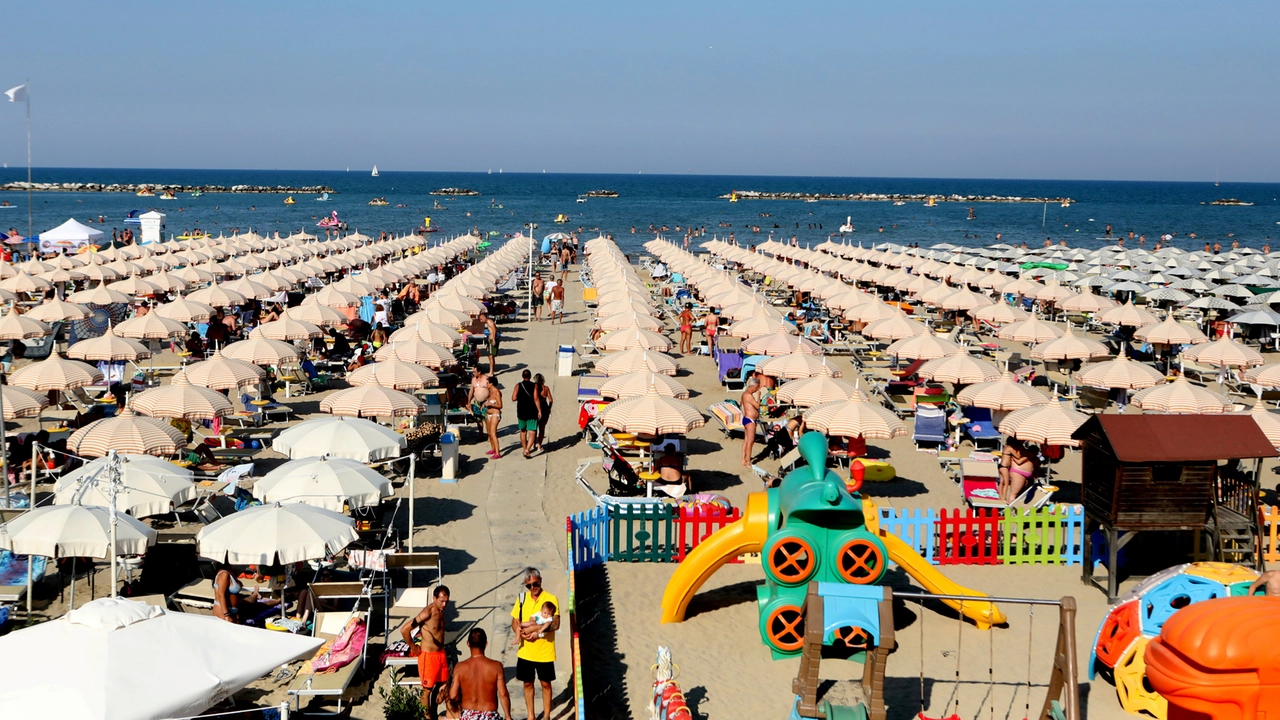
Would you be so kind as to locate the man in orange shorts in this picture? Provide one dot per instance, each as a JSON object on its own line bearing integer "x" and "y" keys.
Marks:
{"x": 433, "y": 666}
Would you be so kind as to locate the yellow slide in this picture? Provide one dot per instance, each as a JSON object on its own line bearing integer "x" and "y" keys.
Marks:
{"x": 983, "y": 614}
{"x": 744, "y": 536}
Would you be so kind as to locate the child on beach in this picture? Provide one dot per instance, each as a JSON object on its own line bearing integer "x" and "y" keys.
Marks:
{"x": 533, "y": 628}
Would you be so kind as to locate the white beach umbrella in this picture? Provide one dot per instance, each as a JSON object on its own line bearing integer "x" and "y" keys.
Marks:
{"x": 187, "y": 663}
{"x": 326, "y": 482}
{"x": 149, "y": 486}
{"x": 276, "y": 533}
{"x": 340, "y": 436}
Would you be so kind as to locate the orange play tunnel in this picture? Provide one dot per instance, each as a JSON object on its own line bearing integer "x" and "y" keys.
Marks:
{"x": 1219, "y": 660}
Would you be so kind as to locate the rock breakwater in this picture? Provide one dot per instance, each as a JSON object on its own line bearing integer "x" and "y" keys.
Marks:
{"x": 889, "y": 197}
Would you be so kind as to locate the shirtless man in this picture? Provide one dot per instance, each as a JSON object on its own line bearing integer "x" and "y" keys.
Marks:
{"x": 492, "y": 327}
{"x": 479, "y": 684}
{"x": 536, "y": 298}
{"x": 750, "y": 417}
{"x": 433, "y": 666}
{"x": 478, "y": 395}
{"x": 557, "y": 303}
{"x": 1270, "y": 580}
{"x": 564, "y": 264}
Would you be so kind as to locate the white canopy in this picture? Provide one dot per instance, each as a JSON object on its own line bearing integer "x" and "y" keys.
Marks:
{"x": 70, "y": 235}
{"x": 135, "y": 662}
{"x": 343, "y": 437}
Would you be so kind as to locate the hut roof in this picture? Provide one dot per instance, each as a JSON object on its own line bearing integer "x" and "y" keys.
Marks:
{"x": 1180, "y": 438}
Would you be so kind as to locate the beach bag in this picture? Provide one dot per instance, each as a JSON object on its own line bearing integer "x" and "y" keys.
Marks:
{"x": 345, "y": 648}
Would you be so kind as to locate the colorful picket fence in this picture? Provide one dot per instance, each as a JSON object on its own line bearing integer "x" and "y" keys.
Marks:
{"x": 695, "y": 524}
{"x": 575, "y": 645}
{"x": 642, "y": 532}
{"x": 1270, "y": 533}
{"x": 589, "y": 536}
{"x": 1040, "y": 536}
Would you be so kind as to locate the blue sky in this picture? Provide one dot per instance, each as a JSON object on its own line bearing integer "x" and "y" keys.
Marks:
{"x": 1085, "y": 90}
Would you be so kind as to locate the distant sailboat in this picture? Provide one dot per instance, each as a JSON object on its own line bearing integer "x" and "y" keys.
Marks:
{"x": 375, "y": 171}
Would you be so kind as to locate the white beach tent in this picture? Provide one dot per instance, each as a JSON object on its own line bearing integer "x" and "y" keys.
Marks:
{"x": 70, "y": 235}
{"x": 131, "y": 661}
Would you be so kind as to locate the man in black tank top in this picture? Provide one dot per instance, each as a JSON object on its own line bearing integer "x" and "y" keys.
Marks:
{"x": 525, "y": 396}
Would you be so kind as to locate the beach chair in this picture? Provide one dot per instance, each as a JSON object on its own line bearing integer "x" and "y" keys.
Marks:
{"x": 930, "y": 426}
{"x": 728, "y": 362}
{"x": 331, "y": 627}
{"x": 979, "y": 426}
{"x": 271, "y": 409}
{"x": 728, "y": 415}
{"x": 1092, "y": 400}
{"x": 750, "y": 362}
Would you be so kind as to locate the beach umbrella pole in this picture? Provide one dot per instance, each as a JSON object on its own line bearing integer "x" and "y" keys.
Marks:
{"x": 114, "y": 462}
{"x": 413, "y": 471}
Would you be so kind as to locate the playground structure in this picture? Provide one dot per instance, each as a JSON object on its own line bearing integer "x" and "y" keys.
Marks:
{"x": 810, "y": 528}
{"x": 1127, "y": 634}
{"x": 1220, "y": 659}
{"x": 829, "y": 609}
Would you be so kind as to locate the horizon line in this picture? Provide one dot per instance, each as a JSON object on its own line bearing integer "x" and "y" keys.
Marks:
{"x": 642, "y": 174}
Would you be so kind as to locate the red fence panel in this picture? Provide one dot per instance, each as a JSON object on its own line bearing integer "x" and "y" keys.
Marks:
{"x": 695, "y": 524}
{"x": 969, "y": 537}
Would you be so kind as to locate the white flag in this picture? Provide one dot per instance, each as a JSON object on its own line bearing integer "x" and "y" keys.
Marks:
{"x": 18, "y": 94}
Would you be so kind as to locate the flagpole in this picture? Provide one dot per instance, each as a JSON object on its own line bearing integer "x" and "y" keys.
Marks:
{"x": 28, "y": 94}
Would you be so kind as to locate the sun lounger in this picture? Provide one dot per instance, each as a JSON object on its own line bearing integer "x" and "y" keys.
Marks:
{"x": 728, "y": 415}
{"x": 307, "y": 684}
{"x": 979, "y": 426}
{"x": 727, "y": 362}
{"x": 931, "y": 426}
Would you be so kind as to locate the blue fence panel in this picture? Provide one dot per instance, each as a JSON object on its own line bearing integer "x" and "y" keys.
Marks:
{"x": 591, "y": 537}
{"x": 1074, "y": 533}
{"x": 915, "y": 527}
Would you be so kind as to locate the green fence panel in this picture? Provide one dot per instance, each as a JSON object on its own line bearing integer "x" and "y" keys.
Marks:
{"x": 1041, "y": 536}
{"x": 642, "y": 532}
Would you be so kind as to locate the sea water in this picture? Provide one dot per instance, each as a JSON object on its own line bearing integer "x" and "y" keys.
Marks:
{"x": 509, "y": 202}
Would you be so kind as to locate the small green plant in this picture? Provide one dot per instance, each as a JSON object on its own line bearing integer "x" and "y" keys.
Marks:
{"x": 401, "y": 702}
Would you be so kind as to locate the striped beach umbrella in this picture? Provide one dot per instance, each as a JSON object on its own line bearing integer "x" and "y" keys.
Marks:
{"x": 1181, "y": 397}
{"x": 809, "y": 392}
{"x": 220, "y": 373}
{"x": 636, "y": 360}
{"x": 895, "y": 327}
{"x": 1030, "y": 331}
{"x": 190, "y": 402}
{"x": 21, "y": 327}
{"x": 625, "y": 320}
{"x": 55, "y": 310}
{"x": 395, "y": 374}
{"x": 999, "y": 314}
{"x": 151, "y": 326}
{"x": 798, "y": 365}
{"x": 1224, "y": 352}
{"x": 631, "y": 338}
{"x": 100, "y": 295}
{"x": 261, "y": 351}
{"x": 317, "y": 314}
{"x": 372, "y": 401}
{"x": 416, "y": 351}
{"x": 218, "y": 296}
{"x": 21, "y": 403}
{"x": 1070, "y": 347}
{"x": 779, "y": 342}
{"x": 436, "y": 314}
{"x": 855, "y": 418}
{"x": 429, "y": 332}
{"x": 1120, "y": 373}
{"x": 55, "y": 373}
{"x": 1050, "y": 424}
{"x": 1265, "y": 375}
{"x": 923, "y": 347}
{"x": 185, "y": 310}
{"x": 1003, "y": 394}
{"x": 127, "y": 433}
{"x": 637, "y": 383}
{"x": 961, "y": 369}
{"x": 287, "y": 330}
{"x": 108, "y": 347}
{"x": 651, "y": 414}
{"x": 1170, "y": 332}
{"x": 1127, "y": 315}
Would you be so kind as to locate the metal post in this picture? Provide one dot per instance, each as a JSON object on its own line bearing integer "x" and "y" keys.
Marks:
{"x": 413, "y": 471}
{"x": 529, "y": 274}
{"x": 29, "y": 223}
{"x": 114, "y": 461}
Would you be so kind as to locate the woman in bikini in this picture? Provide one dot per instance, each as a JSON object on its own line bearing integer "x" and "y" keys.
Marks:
{"x": 686, "y": 330}
{"x": 1017, "y": 466}
{"x": 492, "y": 417}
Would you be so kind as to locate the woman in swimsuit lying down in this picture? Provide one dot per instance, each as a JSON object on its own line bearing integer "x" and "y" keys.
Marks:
{"x": 1017, "y": 466}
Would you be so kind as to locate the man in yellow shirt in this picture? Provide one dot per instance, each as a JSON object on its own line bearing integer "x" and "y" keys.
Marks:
{"x": 537, "y": 654}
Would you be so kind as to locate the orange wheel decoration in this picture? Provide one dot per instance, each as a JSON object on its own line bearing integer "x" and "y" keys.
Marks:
{"x": 786, "y": 628}
{"x": 792, "y": 560}
{"x": 853, "y": 637}
{"x": 861, "y": 562}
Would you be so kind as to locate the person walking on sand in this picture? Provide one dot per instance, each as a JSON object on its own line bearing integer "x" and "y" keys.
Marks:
{"x": 479, "y": 684}
{"x": 493, "y": 416}
{"x": 535, "y": 298}
{"x": 557, "y": 303}
{"x": 1270, "y": 580}
{"x": 544, "y": 410}
{"x": 433, "y": 666}
{"x": 686, "y": 329}
{"x": 750, "y": 417}
{"x": 536, "y": 658}
{"x": 710, "y": 325}
{"x": 564, "y": 264}
{"x": 528, "y": 411}
{"x": 491, "y": 331}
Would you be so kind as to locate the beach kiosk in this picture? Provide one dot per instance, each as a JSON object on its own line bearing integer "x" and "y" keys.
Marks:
{"x": 152, "y": 226}
{"x": 1166, "y": 472}
{"x": 68, "y": 237}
